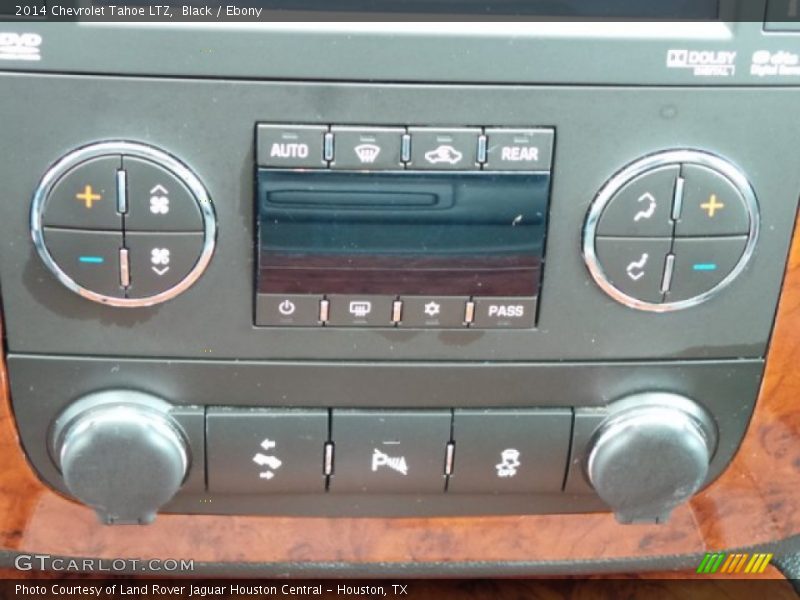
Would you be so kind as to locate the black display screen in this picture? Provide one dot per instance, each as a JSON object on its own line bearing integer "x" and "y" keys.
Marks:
{"x": 401, "y": 233}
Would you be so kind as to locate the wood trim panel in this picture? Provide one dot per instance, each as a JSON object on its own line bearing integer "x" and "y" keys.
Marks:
{"x": 754, "y": 501}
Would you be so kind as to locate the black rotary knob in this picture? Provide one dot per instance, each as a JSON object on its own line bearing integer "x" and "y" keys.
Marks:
{"x": 650, "y": 454}
{"x": 121, "y": 453}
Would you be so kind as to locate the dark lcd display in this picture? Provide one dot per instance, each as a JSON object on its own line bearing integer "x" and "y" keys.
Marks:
{"x": 401, "y": 233}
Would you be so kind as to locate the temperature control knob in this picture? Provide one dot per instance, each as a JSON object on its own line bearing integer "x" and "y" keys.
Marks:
{"x": 123, "y": 224}
{"x": 650, "y": 454}
{"x": 121, "y": 453}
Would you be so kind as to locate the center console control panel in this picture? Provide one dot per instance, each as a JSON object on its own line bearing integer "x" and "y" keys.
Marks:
{"x": 332, "y": 298}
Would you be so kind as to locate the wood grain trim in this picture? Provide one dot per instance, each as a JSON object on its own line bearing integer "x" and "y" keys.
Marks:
{"x": 755, "y": 501}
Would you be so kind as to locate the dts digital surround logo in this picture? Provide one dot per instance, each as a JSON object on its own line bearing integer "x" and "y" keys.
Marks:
{"x": 731, "y": 563}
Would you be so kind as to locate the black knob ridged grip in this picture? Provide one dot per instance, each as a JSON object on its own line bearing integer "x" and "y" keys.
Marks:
{"x": 651, "y": 454}
{"x": 121, "y": 453}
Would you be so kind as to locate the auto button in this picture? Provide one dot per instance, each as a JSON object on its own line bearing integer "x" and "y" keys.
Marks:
{"x": 291, "y": 146}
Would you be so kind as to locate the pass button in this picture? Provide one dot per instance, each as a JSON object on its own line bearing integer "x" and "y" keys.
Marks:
{"x": 505, "y": 313}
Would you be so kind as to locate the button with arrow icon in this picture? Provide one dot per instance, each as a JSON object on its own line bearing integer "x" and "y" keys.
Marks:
{"x": 266, "y": 450}
{"x": 157, "y": 200}
{"x": 159, "y": 261}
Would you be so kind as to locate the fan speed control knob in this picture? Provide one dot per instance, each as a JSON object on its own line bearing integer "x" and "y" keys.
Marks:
{"x": 650, "y": 454}
{"x": 121, "y": 453}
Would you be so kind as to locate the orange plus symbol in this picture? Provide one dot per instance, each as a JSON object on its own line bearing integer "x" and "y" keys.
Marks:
{"x": 87, "y": 196}
{"x": 712, "y": 205}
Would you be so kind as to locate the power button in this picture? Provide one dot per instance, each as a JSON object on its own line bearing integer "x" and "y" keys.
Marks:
{"x": 298, "y": 310}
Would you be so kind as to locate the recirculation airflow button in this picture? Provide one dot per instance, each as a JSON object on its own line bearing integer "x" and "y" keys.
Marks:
{"x": 444, "y": 148}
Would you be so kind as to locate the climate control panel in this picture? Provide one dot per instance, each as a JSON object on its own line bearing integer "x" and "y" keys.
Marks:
{"x": 123, "y": 224}
{"x": 403, "y": 300}
{"x": 671, "y": 230}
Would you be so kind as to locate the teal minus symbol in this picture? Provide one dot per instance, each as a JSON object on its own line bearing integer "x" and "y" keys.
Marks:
{"x": 94, "y": 260}
{"x": 705, "y": 267}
